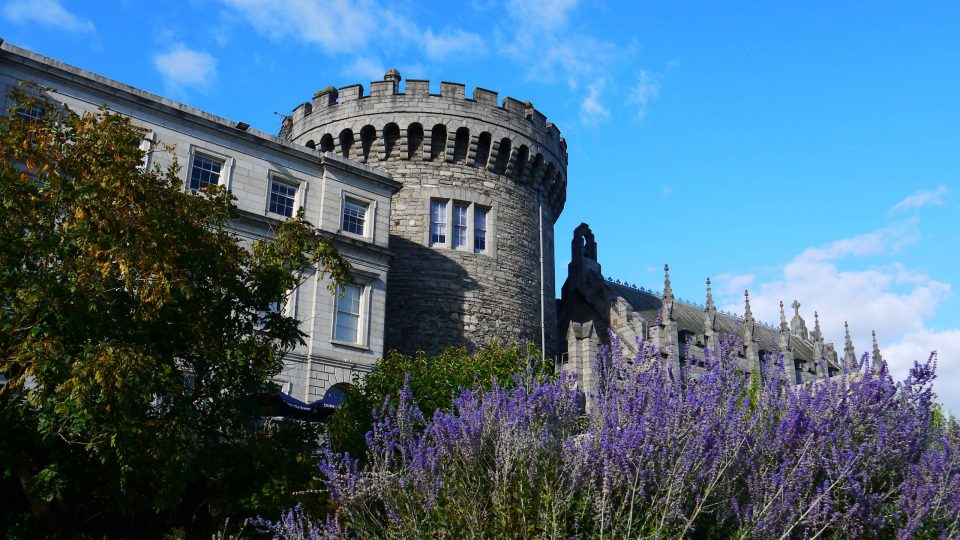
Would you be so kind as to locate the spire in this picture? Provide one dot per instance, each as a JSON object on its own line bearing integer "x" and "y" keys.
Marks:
{"x": 747, "y": 314}
{"x": 849, "y": 355}
{"x": 667, "y": 291}
{"x": 784, "y": 338}
{"x": 877, "y": 359}
{"x": 816, "y": 327}
{"x": 710, "y": 320}
{"x": 710, "y": 306}
{"x": 667, "y": 295}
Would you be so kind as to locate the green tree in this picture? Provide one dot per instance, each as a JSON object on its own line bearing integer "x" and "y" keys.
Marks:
{"x": 136, "y": 336}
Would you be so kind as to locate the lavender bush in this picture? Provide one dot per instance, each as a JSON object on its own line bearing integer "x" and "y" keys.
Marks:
{"x": 713, "y": 455}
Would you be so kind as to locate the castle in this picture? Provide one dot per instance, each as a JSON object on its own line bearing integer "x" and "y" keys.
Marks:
{"x": 445, "y": 207}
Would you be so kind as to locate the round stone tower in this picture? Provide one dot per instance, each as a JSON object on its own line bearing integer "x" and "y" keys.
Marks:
{"x": 472, "y": 227}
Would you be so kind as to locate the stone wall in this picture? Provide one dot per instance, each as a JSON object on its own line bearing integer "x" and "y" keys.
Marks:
{"x": 507, "y": 159}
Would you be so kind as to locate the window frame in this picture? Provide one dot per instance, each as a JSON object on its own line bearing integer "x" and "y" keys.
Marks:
{"x": 441, "y": 237}
{"x": 274, "y": 178}
{"x": 226, "y": 166}
{"x": 457, "y": 227}
{"x": 450, "y": 202}
{"x": 369, "y": 217}
{"x": 363, "y": 317}
{"x": 476, "y": 210}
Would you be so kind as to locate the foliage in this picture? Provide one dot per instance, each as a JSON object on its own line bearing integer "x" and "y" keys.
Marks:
{"x": 435, "y": 380}
{"x": 136, "y": 336}
{"x": 716, "y": 456}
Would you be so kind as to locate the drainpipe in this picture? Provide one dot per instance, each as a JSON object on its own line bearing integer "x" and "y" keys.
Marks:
{"x": 543, "y": 323}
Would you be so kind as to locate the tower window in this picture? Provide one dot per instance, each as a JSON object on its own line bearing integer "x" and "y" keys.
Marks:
{"x": 438, "y": 222}
{"x": 479, "y": 229}
{"x": 460, "y": 224}
{"x": 464, "y": 222}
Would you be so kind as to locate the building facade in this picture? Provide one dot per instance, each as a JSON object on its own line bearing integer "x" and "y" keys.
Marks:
{"x": 593, "y": 310}
{"x": 271, "y": 178}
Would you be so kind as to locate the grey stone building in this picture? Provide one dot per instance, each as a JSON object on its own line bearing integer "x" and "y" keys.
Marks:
{"x": 472, "y": 228}
{"x": 270, "y": 177}
{"x": 593, "y": 308}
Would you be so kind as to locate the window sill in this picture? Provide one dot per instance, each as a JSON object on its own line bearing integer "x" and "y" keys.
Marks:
{"x": 355, "y": 236}
{"x": 356, "y": 346}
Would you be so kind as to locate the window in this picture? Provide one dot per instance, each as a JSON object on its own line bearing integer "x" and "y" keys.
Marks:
{"x": 479, "y": 229}
{"x": 347, "y": 324}
{"x": 31, "y": 113}
{"x": 438, "y": 222}
{"x": 354, "y": 217}
{"x": 204, "y": 172}
{"x": 460, "y": 225}
{"x": 282, "y": 198}
{"x": 466, "y": 228}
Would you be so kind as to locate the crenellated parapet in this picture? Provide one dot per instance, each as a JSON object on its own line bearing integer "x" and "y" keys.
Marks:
{"x": 510, "y": 138}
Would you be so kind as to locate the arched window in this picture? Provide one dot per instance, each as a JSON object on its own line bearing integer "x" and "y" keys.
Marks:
{"x": 346, "y": 142}
{"x": 391, "y": 139}
{"x": 326, "y": 143}
{"x": 503, "y": 155}
{"x": 460, "y": 145}
{"x": 414, "y": 140}
{"x": 438, "y": 142}
{"x": 311, "y": 144}
{"x": 483, "y": 150}
{"x": 368, "y": 134}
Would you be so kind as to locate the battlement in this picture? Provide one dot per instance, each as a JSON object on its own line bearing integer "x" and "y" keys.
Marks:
{"x": 410, "y": 124}
{"x": 415, "y": 95}
{"x": 419, "y": 89}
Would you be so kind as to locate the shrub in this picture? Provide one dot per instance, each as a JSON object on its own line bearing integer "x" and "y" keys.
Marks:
{"x": 720, "y": 454}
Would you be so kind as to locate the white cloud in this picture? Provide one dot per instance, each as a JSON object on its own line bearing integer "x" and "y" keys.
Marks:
{"x": 924, "y": 197}
{"x": 645, "y": 91}
{"x": 732, "y": 284}
{"x": 365, "y": 68}
{"x": 452, "y": 42}
{"x": 892, "y": 299}
{"x": 548, "y": 14}
{"x": 917, "y": 346}
{"x": 592, "y": 112}
{"x": 351, "y": 27}
{"x": 334, "y": 25}
{"x": 182, "y": 67}
{"x": 47, "y": 13}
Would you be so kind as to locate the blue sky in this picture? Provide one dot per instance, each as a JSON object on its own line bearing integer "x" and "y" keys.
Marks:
{"x": 801, "y": 151}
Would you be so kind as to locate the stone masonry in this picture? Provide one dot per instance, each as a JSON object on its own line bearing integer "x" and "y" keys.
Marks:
{"x": 507, "y": 160}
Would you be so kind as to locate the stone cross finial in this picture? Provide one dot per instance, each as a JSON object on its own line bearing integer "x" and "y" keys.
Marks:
{"x": 796, "y": 308}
